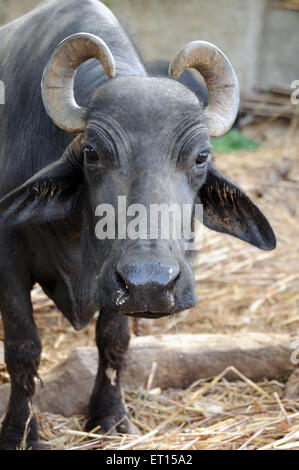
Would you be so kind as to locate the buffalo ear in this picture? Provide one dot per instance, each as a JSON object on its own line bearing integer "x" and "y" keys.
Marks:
{"x": 227, "y": 209}
{"x": 50, "y": 194}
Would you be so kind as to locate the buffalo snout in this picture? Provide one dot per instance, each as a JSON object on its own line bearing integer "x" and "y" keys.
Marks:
{"x": 148, "y": 285}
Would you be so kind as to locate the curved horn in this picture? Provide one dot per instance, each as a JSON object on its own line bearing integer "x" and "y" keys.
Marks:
{"x": 220, "y": 78}
{"x": 59, "y": 74}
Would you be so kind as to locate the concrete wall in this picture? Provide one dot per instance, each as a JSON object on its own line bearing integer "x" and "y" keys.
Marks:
{"x": 163, "y": 27}
{"x": 10, "y": 9}
{"x": 260, "y": 41}
{"x": 279, "y": 47}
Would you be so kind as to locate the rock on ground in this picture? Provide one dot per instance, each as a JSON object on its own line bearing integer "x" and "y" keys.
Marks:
{"x": 163, "y": 361}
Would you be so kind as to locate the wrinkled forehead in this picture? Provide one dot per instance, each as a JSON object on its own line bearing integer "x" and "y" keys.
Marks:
{"x": 136, "y": 102}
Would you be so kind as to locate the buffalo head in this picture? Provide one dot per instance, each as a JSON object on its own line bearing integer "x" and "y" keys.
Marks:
{"x": 143, "y": 141}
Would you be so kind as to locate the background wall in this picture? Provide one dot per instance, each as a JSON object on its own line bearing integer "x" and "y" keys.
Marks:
{"x": 260, "y": 41}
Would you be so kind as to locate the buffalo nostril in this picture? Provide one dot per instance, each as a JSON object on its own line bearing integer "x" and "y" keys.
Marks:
{"x": 173, "y": 273}
{"x": 122, "y": 281}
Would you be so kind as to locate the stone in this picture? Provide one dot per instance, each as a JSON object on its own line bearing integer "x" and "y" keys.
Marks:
{"x": 67, "y": 388}
{"x": 164, "y": 361}
{"x": 180, "y": 362}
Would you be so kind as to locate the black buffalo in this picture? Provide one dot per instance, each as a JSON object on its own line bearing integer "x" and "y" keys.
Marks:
{"x": 143, "y": 138}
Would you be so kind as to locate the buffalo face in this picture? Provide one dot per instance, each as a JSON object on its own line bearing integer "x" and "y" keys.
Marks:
{"x": 145, "y": 142}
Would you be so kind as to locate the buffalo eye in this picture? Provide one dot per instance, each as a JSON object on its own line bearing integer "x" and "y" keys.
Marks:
{"x": 90, "y": 153}
{"x": 202, "y": 158}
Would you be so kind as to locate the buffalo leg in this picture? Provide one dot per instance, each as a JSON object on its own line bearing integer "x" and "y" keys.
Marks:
{"x": 22, "y": 354}
{"x": 107, "y": 408}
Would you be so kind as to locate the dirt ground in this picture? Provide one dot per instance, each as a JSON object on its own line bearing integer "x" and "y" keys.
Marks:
{"x": 239, "y": 289}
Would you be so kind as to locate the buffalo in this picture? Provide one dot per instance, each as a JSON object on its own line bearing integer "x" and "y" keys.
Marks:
{"x": 83, "y": 125}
